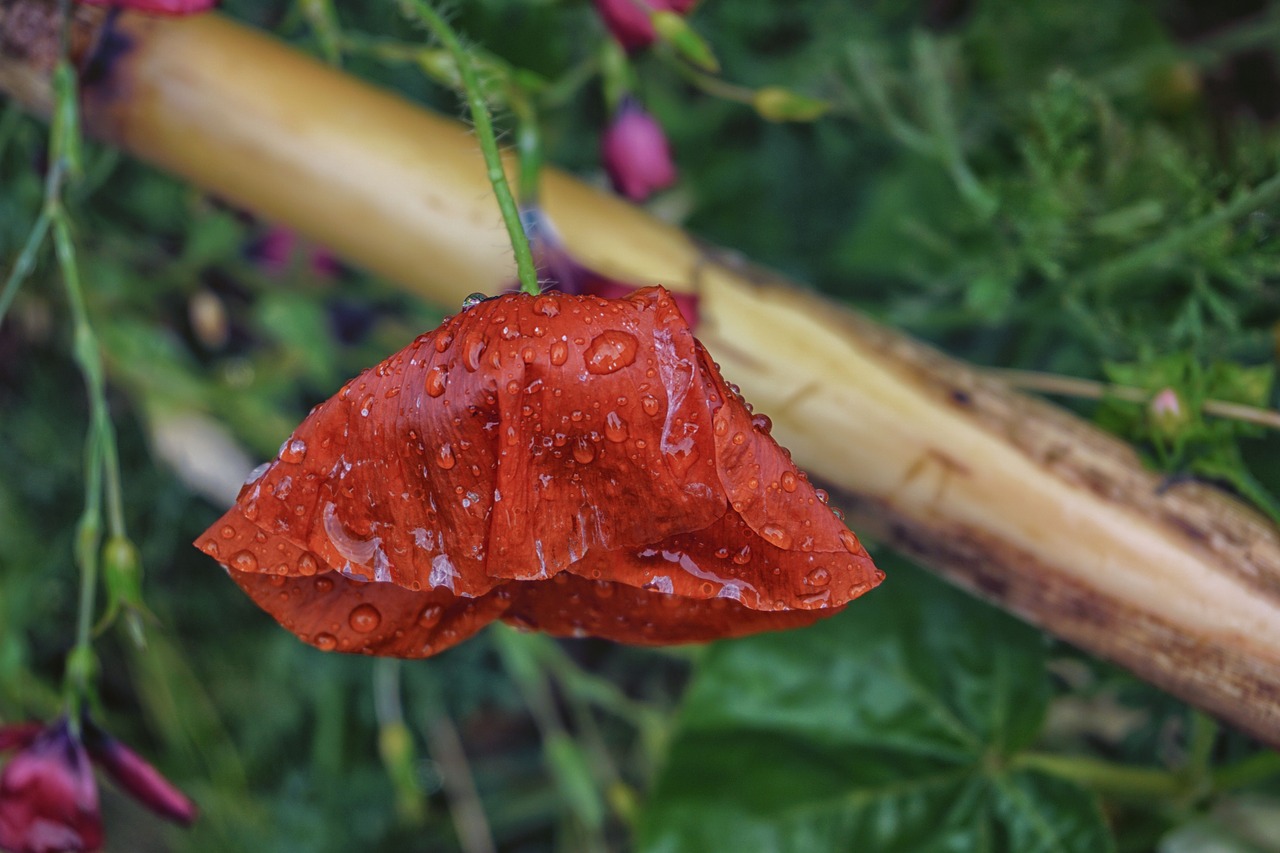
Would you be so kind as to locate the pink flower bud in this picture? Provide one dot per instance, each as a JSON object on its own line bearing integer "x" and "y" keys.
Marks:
{"x": 158, "y": 7}
{"x": 48, "y": 798}
{"x": 139, "y": 778}
{"x": 1166, "y": 411}
{"x": 636, "y": 153}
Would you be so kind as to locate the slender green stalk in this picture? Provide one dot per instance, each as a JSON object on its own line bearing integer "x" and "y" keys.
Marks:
{"x": 1256, "y": 768}
{"x": 440, "y": 28}
{"x": 1103, "y": 776}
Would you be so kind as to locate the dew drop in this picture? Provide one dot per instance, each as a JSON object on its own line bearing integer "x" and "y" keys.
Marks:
{"x": 473, "y": 299}
{"x": 583, "y": 450}
{"x": 324, "y": 585}
{"x": 822, "y": 495}
{"x": 615, "y": 428}
{"x": 364, "y": 618}
{"x": 818, "y": 577}
{"x": 366, "y": 406}
{"x": 244, "y": 561}
{"x": 788, "y": 481}
{"x": 307, "y": 565}
{"x": 609, "y": 352}
{"x": 776, "y": 536}
{"x": 293, "y": 451}
{"x": 546, "y": 306}
{"x": 527, "y": 355}
{"x": 444, "y": 456}
{"x": 838, "y": 513}
{"x": 251, "y": 510}
{"x": 739, "y": 438}
{"x": 443, "y": 341}
{"x": 228, "y": 532}
{"x": 650, "y": 406}
{"x": 430, "y": 615}
{"x": 325, "y": 642}
{"x": 743, "y": 557}
{"x": 437, "y": 378}
{"x": 472, "y": 358}
{"x": 850, "y": 541}
{"x": 762, "y": 423}
{"x": 559, "y": 353}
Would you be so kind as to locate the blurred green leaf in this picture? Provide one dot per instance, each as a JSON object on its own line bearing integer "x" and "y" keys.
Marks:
{"x": 888, "y": 727}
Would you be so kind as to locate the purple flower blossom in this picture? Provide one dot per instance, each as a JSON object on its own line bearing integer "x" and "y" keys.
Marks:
{"x": 636, "y": 153}
{"x": 48, "y": 795}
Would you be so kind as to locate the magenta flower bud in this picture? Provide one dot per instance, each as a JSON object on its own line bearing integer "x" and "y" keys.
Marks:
{"x": 636, "y": 153}
{"x": 48, "y": 799}
{"x": 138, "y": 778}
{"x": 628, "y": 20}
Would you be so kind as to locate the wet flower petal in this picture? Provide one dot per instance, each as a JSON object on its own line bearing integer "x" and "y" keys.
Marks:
{"x": 530, "y": 450}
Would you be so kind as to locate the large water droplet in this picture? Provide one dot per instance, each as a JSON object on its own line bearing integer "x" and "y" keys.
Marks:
{"x": 615, "y": 428}
{"x": 430, "y": 615}
{"x": 743, "y": 557}
{"x": 444, "y": 456}
{"x": 583, "y": 450}
{"x": 293, "y": 451}
{"x": 822, "y": 495}
{"x": 366, "y": 406}
{"x": 437, "y": 378}
{"x": 472, "y": 300}
{"x": 776, "y": 536}
{"x": 559, "y": 353}
{"x": 610, "y": 351}
{"x": 818, "y": 577}
{"x": 471, "y": 359}
{"x": 762, "y": 423}
{"x": 850, "y": 541}
{"x": 650, "y": 406}
{"x": 324, "y": 585}
{"x": 227, "y": 532}
{"x": 307, "y": 565}
{"x": 244, "y": 561}
{"x": 546, "y": 306}
{"x": 364, "y": 618}
{"x": 325, "y": 642}
{"x": 443, "y": 340}
{"x": 788, "y": 481}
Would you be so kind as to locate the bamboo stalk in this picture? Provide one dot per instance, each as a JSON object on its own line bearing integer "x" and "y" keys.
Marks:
{"x": 1006, "y": 495}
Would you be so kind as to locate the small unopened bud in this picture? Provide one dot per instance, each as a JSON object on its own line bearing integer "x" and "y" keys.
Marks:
{"x": 675, "y": 31}
{"x": 122, "y": 573}
{"x": 774, "y": 103}
{"x": 636, "y": 153}
{"x": 1167, "y": 413}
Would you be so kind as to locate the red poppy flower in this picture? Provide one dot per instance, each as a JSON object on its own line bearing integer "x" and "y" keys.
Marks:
{"x": 49, "y": 798}
{"x": 566, "y": 463}
{"x": 636, "y": 154}
{"x": 158, "y": 7}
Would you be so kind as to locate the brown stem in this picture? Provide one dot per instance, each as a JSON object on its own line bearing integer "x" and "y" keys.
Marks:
{"x": 1015, "y": 499}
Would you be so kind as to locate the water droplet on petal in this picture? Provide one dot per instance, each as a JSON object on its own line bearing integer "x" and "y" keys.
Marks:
{"x": 228, "y": 532}
{"x": 443, "y": 340}
{"x": 325, "y": 642}
{"x": 293, "y": 451}
{"x": 850, "y": 541}
{"x": 762, "y": 423}
{"x": 472, "y": 358}
{"x": 776, "y": 536}
{"x": 583, "y": 450}
{"x": 430, "y": 615}
{"x": 650, "y": 406}
{"x": 743, "y": 557}
{"x": 324, "y": 585}
{"x": 437, "y": 378}
{"x": 244, "y": 561}
{"x": 559, "y": 353}
{"x": 366, "y": 406}
{"x": 472, "y": 300}
{"x": 364, "y": 618}
{"x": 307, "y": 565}
{"x": 527, "y": 355}
{"x": 739, "y": 438}
{"x": 788, "y": 481}
{"x": 615, "y": 428}
{"x": 610, "y": 351}
{"x": 818, "y": 577}
{"x": 546, "y": 306}
{"x": 444, "y": 456}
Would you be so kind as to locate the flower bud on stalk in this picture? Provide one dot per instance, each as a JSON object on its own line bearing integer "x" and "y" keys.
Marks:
{"x": 636, "y": 153}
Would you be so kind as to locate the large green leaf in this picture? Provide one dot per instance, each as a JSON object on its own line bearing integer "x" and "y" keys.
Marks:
{"x": 889, "y": 728}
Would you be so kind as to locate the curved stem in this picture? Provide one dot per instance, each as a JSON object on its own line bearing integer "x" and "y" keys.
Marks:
{"x": 488, "y": 141}
{"x": 1103, "y": 776}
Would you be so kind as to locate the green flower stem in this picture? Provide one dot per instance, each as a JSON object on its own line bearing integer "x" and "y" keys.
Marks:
{"x": 1104, "y": 777}
{"x": 1249, "y": 771}
{"x": 525, "y": 268}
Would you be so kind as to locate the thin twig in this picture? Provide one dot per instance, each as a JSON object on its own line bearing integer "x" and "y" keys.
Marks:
{"x": 465, "y": 807}
{"x": 1090, "y": 389}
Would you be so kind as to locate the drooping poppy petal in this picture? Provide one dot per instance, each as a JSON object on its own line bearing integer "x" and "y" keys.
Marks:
{"x": 566, "y": 462}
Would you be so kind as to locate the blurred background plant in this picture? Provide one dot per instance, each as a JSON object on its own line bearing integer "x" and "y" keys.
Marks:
{"x": 1086, "y": 190}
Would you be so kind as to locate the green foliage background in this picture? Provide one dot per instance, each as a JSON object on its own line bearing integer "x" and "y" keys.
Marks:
{"x": 1088, "y": 187}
